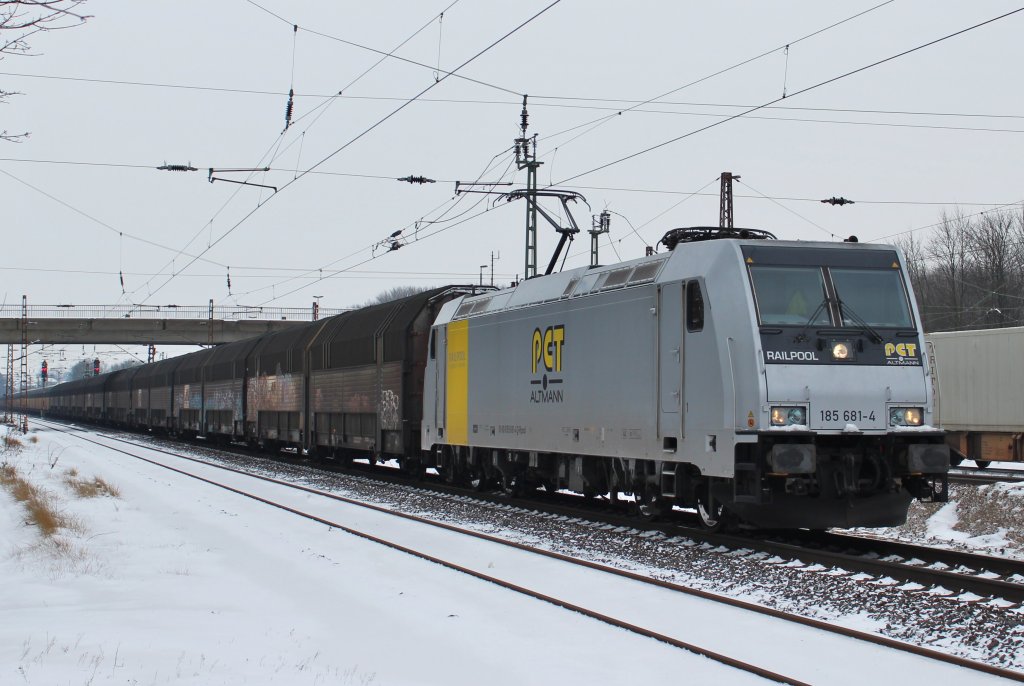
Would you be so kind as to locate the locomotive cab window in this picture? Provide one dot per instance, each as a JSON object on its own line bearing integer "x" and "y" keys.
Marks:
{"x": 874, "y": 296}
{"x": 790, "y": 296}
{"x": 694, "y": 307}
{"x": 818, "y": 296}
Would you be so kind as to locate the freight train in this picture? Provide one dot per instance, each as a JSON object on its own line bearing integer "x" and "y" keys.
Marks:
{"x": 756, "y": 381}
{"x": 979, "y": 393}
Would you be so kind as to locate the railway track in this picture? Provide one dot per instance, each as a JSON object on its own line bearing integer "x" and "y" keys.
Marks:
{"x": 958, "y": 572}
{"x": 648, "y": 584}
{"x": 989, "y": 475}
{"x": 970, "y": 576}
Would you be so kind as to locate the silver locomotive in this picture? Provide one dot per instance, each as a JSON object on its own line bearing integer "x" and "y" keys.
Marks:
{"x": 782, "y": 384}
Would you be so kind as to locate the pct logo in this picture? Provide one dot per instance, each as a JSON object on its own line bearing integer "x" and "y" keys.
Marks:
{"x": 546, "y": 356}
{"x": 901, "y": 354}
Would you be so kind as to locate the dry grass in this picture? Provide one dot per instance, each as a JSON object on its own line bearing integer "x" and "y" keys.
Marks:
{"x": 90, "y": 488}
{"x": 33, "y": 439}
{"x": 38, "y": 504}
{"x": 12, "y": 444}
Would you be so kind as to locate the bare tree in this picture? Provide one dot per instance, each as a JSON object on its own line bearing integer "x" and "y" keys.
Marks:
{"x": 395, "y": 293}
{"x": 993, "y": 272}
{"x": 948, "y": 251}
{"x": 915, "y": 254}
{"x": 20, "y": 20}
{"x": 970, "y": 273}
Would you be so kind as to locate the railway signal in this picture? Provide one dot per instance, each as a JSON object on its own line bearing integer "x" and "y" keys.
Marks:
{"x": 96, "y": 367}
{"x": 43, "y": 371}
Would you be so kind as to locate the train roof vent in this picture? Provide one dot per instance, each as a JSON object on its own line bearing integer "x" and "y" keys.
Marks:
{"x": 616, "y": 279}
{"x": 480, "y": 305}
{"x": 464, "y": 309}
{"x": 645, "y": 272}
{"x": 587, "y": 283}
{"x": 572, "y": 284}
{"x": 694, "y": 234}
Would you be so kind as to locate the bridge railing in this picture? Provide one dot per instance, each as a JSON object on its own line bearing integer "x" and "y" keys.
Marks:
{"x": 233, "y": 313}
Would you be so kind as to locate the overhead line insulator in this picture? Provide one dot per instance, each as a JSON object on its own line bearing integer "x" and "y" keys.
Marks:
{"x": 177, "y": 167}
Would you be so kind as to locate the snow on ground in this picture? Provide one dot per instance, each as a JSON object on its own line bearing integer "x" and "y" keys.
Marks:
{"x": 173, "y": 582}
{"x": 985, "y": 519}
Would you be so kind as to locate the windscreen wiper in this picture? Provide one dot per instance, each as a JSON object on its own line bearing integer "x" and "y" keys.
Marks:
{"x": 857, "y": 319}
{"x": 802, "y": 336}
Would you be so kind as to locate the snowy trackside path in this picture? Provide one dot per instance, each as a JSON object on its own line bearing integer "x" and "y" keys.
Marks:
{"x": 771, "y": 643}
{"x": 178, "y": 582}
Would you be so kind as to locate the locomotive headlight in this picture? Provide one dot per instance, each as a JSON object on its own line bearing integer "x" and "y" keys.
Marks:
{"x": 842, "y": 351}
{"x": 905, "y": 416}
{"x": 787, "y": 415}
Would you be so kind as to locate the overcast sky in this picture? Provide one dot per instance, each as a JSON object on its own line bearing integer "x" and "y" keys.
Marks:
{"x": 937, "y": 128}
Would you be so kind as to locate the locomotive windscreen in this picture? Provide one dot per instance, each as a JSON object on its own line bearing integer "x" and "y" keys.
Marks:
{"x": 823, "y": 287}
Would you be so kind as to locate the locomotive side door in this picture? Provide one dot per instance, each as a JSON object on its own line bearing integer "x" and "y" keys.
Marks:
{"x": 670, "y": 360}
{"x": 440, "y": 334}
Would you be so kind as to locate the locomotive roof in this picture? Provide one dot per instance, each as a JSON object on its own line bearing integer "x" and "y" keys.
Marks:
{"x": 649, "y": 269}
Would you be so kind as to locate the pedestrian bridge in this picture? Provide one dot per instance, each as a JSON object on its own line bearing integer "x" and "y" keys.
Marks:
{"x": 147, "y": 324}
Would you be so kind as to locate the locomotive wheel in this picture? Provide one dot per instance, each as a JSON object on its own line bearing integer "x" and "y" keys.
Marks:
{"x": 711, "y": 512}
{"x": 477, "y": 482}
{"x": 514, "y": 486}
{"x": 983, "y": 464}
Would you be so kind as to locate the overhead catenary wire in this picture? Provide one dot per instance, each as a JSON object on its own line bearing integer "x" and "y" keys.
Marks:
{"x": 321, "y": 109}
{"x": 360, "y": 46}
{"x": 290, "y": 107}
{"x": 442, "y": 218}
{"x": 715, "y": 74}
{"x": 415, "y": 226}
{"x": 383, "y": 274}
{"x": 788, "y": 209}
{"x": 806, "y": 89}
{"x": 100, "y": 222}
{"x": 536, "y": 100}
{"x": 274, "y": 150}
{"x": 440, "y": 37}
{"x": 373, "y": 126}
{"x": 296, "y": 172}
{"x": 390, "y": 178}
{"x": 943, "y": 221}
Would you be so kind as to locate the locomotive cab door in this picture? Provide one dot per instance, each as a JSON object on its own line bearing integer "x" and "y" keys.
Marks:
{"x": 440, "y": 342}
{"x": 670, "y": 362}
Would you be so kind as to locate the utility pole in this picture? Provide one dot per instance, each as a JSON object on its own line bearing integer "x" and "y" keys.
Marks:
{"x": 526, "y": 158}
{"x": 24, "y": 364}
{"x": 316, "y": 307}
{"x": 600, "y": 223}
{"x": 494, "y": 257}
{"x": 9, "y": 387}
{"x": 725, "y": 201}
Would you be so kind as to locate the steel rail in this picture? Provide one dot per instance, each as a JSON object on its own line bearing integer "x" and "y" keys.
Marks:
{"x": 642, "y": 631}
{"x": 736, "y": 541}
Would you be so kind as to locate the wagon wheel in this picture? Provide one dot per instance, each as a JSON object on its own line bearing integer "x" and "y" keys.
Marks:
{"x": 648, "y": 505}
